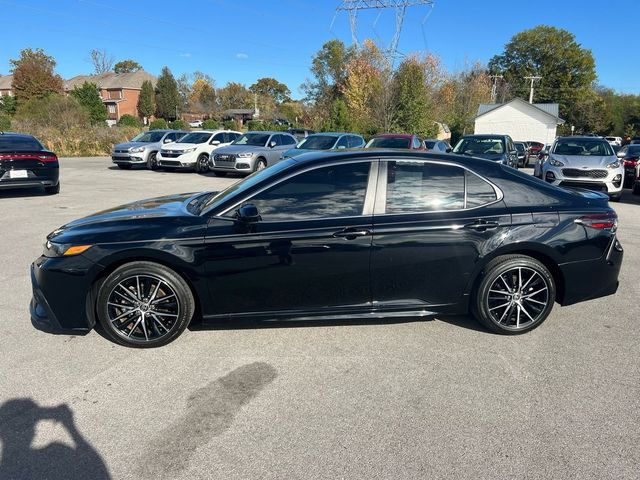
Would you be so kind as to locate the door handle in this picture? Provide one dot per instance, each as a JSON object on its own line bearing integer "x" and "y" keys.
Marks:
{"x": 351, "y": 234}
{"x": 482, "y": 225}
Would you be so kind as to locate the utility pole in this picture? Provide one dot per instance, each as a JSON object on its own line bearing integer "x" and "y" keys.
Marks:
{"x": 494, "y": 89}
{"x": 533, "y": 78}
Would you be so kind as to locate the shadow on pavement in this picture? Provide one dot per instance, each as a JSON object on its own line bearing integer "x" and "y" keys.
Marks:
{"x": 19, "y": 418}
{"x": 22, "y": 192}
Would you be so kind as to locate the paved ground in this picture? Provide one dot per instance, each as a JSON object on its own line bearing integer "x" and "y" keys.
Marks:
{"x": 422, "y": 399}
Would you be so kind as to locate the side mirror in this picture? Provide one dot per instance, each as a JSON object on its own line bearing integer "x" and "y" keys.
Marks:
{"x": 248, "y": 214}
{"x": 214, "y": 142}
{"x": 167, "y": 140}
{"x": 272, "y": 144}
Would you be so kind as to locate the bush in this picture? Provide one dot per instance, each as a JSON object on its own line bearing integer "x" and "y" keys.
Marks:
{"x": 229, "y": 125}
{"x": 210, "y": 124}
{"x": 129, "y": 121}
{"x": 158, "y": 124}
{"x": 54, "y": 111}
{"x": 179, "y": 125}
{"x": 5, "y": 122}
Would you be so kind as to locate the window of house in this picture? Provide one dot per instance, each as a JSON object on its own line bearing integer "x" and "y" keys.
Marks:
{"x": 111, "y": 108}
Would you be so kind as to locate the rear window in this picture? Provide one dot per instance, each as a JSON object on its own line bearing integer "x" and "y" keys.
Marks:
{"x": 10, "y": 143}
{"x": 389, "y": 142}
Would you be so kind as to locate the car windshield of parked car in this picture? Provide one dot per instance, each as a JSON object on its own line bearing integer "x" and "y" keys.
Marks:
{"x": 18, "y": 144}
{"x": 519, "y": 147}
{"x": 253, "y": 139}
{"x": 389, "y": 142}
{"x": 318, "y": 142}
{"x": 196, "y": 138}
{"x": 583, "y": 147}
{"x": 479, "y": 146}
{"x": 429, "y": 144}
{"x": 148, "y": 137}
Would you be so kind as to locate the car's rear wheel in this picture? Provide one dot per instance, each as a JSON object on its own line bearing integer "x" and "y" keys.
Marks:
{"x": 202, "y": 165}
{"x": 144, "y": 304}
{"x": 124, "y": 166}
{"x": 516, "y": 294}
{"x": 152, "y": 161}
{"x": 636, "y": 189}
{"x": 53, "y": 190}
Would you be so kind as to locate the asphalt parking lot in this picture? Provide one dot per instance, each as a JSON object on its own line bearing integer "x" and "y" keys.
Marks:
{"x": 417, "y": 398}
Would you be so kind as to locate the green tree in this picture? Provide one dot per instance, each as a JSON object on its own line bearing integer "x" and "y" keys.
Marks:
{"x": 272, "y": 88}
{"x": 167, "y": 97}
{"x": 567, "y": 69}
{"x": 158, "y": 124}
{"x": 127, "y": 66}
{"x": 147, "y": 99}
{"x": 34, "y": 75}
{"x": 88, "y": 95}
{"x": 5, "y": 122}
{"x": 413, "y": 114}
{"x": 203, "y": 97}
{"x": 127, "y": 120}
{"x": 234, "y": 95}
{"x": 8, "y": 104}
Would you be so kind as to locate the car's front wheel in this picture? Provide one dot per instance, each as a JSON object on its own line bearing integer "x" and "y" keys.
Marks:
{"x": 144, "y": 304}
{"x": 202, "y": 165}
{"x": 515, "y": 294}
{"x": 261, "y": 164}
{"x": 152, "y": 161}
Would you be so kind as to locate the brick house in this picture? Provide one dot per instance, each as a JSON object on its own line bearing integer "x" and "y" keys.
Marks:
{"x": 6, "y": 82}
{"x": 119, "y": 91}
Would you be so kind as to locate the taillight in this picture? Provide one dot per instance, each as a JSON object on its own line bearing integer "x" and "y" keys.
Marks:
{"x": 600, "y": 221}
{"x": 48, "y": 158}
{"x": 631, "y": 161}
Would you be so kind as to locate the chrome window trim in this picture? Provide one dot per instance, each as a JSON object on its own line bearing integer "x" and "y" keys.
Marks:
{"x": 381, "y": 200}
{"x": 368, "y": 192}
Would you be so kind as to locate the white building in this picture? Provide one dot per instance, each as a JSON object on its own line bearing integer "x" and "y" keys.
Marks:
{"x": 521, "y": 120}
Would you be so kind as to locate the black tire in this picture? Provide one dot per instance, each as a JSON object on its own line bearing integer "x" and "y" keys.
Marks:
{"x": 53, "y": 190}
{"x": 202, "y": 164}
{"x": 261, "y": 163}
{"x": 124, "y": 166}
{"x": 636, "y": 189}
{"x": 615, "y": 198}
{"x": 152, "y": 161}
{"x": 219, "y": 174}
{"x": 504, "y": 312}
{"x": 148, "y": 332}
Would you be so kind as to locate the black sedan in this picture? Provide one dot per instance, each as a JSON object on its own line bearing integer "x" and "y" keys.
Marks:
{"x": 358, "y": 234}
{"x": 25, "y": 163}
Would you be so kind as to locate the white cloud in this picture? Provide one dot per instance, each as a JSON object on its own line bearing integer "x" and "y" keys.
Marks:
{"x": 242, "y": 56}
{"x": 185, "y": 55}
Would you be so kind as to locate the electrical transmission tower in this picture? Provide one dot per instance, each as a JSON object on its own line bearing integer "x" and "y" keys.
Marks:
{"x": 352, "y": 7}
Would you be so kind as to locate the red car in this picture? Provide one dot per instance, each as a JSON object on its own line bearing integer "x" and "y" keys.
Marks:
{"x": 396, "y": 140}
{"x": 535, "y": 147}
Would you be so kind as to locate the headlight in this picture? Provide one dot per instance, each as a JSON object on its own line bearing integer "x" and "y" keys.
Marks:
{"x": 188, "y": 150}
{"x": 556, "y": 163}
{"x": 615, "y": 164}
{"x": 55, "y": 250}
{"x": 136, "y": 150}
{"x": 245, "y": 155}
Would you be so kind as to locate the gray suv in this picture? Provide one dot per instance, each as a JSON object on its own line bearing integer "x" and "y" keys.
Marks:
{"x": 143, "y": 148}
{"x": 253, "y": 151}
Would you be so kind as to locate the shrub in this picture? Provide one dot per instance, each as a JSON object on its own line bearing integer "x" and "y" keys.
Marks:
{"x": 210, "y": 124}
{"x": 55, "y": 111}
{"x": 179, "y": 125}
{"x": 229, "y": 125}
{"x": 158, "y": 124}
{"x": 5, "y": 122}
{"x": 255, "y": 125}
{"x": 129, "y": 121}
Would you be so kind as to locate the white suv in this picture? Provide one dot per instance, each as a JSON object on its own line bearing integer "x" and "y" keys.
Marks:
{"x": 585, "y": 162}
{"x": 193, "y": 150}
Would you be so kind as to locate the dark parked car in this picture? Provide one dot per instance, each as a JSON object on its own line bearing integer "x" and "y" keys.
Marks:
{"x": 497, "y": 148}
{"x": 396, "y": 140}
{"x": 629, "y": 155}
{"x": 523, "y": 154}
{"x": 356, "y": 234}
{"x": 25, "y": 163}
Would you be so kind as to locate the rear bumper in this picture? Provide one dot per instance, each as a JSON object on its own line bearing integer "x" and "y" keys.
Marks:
{"x": 39, "y": 179}
{"x": 591, "y": 279}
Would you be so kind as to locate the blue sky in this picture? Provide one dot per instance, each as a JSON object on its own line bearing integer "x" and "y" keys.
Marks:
{"x": 245, "y": 40}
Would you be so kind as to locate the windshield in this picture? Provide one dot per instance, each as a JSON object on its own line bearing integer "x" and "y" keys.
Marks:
{"x": 9, "y": 143}
{"x": 429, "y": 144}
{"x": 202, "y": 137}
{"x": 389, "y": 142}
{"x": 148, "y": 137}
{"x": 519, "y": 147}
{"x": 244, "y": 185}
{"x": 254, "y": 139}
{"x": 318, "y": 142}
{"x": 583, "y": 146}
{"x": 479, "y": 146}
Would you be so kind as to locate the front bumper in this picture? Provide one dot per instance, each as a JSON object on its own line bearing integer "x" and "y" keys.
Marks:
{"x": 604, "y": 180}
{"x": 186, "y": 160}
{"x": 129, "y": 158}
{"x": 61, "y": 288}
{"x": 232, "y": 163}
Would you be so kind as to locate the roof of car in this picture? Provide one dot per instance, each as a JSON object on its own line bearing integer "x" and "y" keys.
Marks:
{"x": 269, "y": 132}
{"x": 333, "y": 134}
{"x": 394, "y": 135}
{"x": 484, "y": 135}
{"x": 14, "y": 134}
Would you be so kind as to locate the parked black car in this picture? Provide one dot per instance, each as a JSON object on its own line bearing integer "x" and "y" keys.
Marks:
{"x": 497, "y": 148}
{"x": 356, "y": 234}
{"x": 25, "y": 163}
{"x": 630, "y": 156}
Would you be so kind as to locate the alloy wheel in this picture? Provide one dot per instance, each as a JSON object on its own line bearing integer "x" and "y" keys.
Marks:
{"x": 518, "y": 298}
{"x": 143, "y": 308}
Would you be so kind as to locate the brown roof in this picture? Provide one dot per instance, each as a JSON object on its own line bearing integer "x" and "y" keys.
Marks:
{"x": 112, "y": 80}
{"x": 5, "y": 82}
